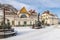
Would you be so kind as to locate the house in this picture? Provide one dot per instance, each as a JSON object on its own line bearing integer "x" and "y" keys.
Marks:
{"x": 49, "y": 18}
{"x": 21, "y": 18}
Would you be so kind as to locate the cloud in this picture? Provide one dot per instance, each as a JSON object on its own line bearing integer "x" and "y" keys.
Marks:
{"x": 42, "y": 3}
{"x": 33, "y": 4}
{"x": 16, "y": 4}
{"x": 38, "y": 5}
{"x": 50, "y": 4}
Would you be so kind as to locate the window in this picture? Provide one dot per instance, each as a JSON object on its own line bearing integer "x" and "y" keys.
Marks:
{"x": 23, "y": 16}
{"x": 8, "y": 22}
{"x": 19, "y": 23}
{"x": 25, "y": 22}
{"x": 7, "y": 9}
{"x": 30, "y": 22}
{"x": 13, "y": 22}
{"x": 35, "y": 21}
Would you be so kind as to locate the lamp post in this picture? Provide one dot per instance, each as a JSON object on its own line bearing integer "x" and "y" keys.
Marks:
{"x": 38, "y": 17}
{"x": 4, "y": 20}
{"x": 4, "y": 24}
{"x": 4, "y": 16}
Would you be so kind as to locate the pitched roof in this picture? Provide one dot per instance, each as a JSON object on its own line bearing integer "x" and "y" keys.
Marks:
{"x": 23, "y": 10}
{"x": 48, "y": 12}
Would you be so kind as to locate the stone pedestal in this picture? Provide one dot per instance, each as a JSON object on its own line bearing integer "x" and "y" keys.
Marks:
{"x": 6, "y": 33}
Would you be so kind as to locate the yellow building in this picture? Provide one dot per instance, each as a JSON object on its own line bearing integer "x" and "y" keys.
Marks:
{"x": 49, "y": 18}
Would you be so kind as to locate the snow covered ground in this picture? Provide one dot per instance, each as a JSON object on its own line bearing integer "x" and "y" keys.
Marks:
{"x": 26, "y": 33}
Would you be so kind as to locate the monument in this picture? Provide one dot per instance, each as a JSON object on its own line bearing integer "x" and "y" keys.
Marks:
{"x": 38, "y": 24}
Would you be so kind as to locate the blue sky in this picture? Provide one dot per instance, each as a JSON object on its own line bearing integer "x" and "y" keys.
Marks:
{"x": 38, "y": 5}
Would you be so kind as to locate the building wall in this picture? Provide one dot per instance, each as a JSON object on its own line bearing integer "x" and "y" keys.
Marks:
{"x": 49, "y": 19}
{"x": 30, "y": 19}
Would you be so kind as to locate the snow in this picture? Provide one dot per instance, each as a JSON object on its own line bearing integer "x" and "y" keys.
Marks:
{"x": 26, "y": 33}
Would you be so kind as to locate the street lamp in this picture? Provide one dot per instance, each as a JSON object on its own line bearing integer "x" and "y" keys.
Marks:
{"x": 4, "y": 20}
{"x": 4, "y": 15}
{"x": 38, "y": 17}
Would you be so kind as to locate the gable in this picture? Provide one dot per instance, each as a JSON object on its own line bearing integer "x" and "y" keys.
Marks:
{"x": 23, "y": 10}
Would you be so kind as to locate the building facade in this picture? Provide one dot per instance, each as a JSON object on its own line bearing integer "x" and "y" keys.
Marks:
{"x": 49, "y": 18}
{"x": 22, "y": 17}
{"x": 28, "y": 18}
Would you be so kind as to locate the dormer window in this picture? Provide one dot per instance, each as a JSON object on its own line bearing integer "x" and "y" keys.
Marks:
{"x": 23, "y": 16}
